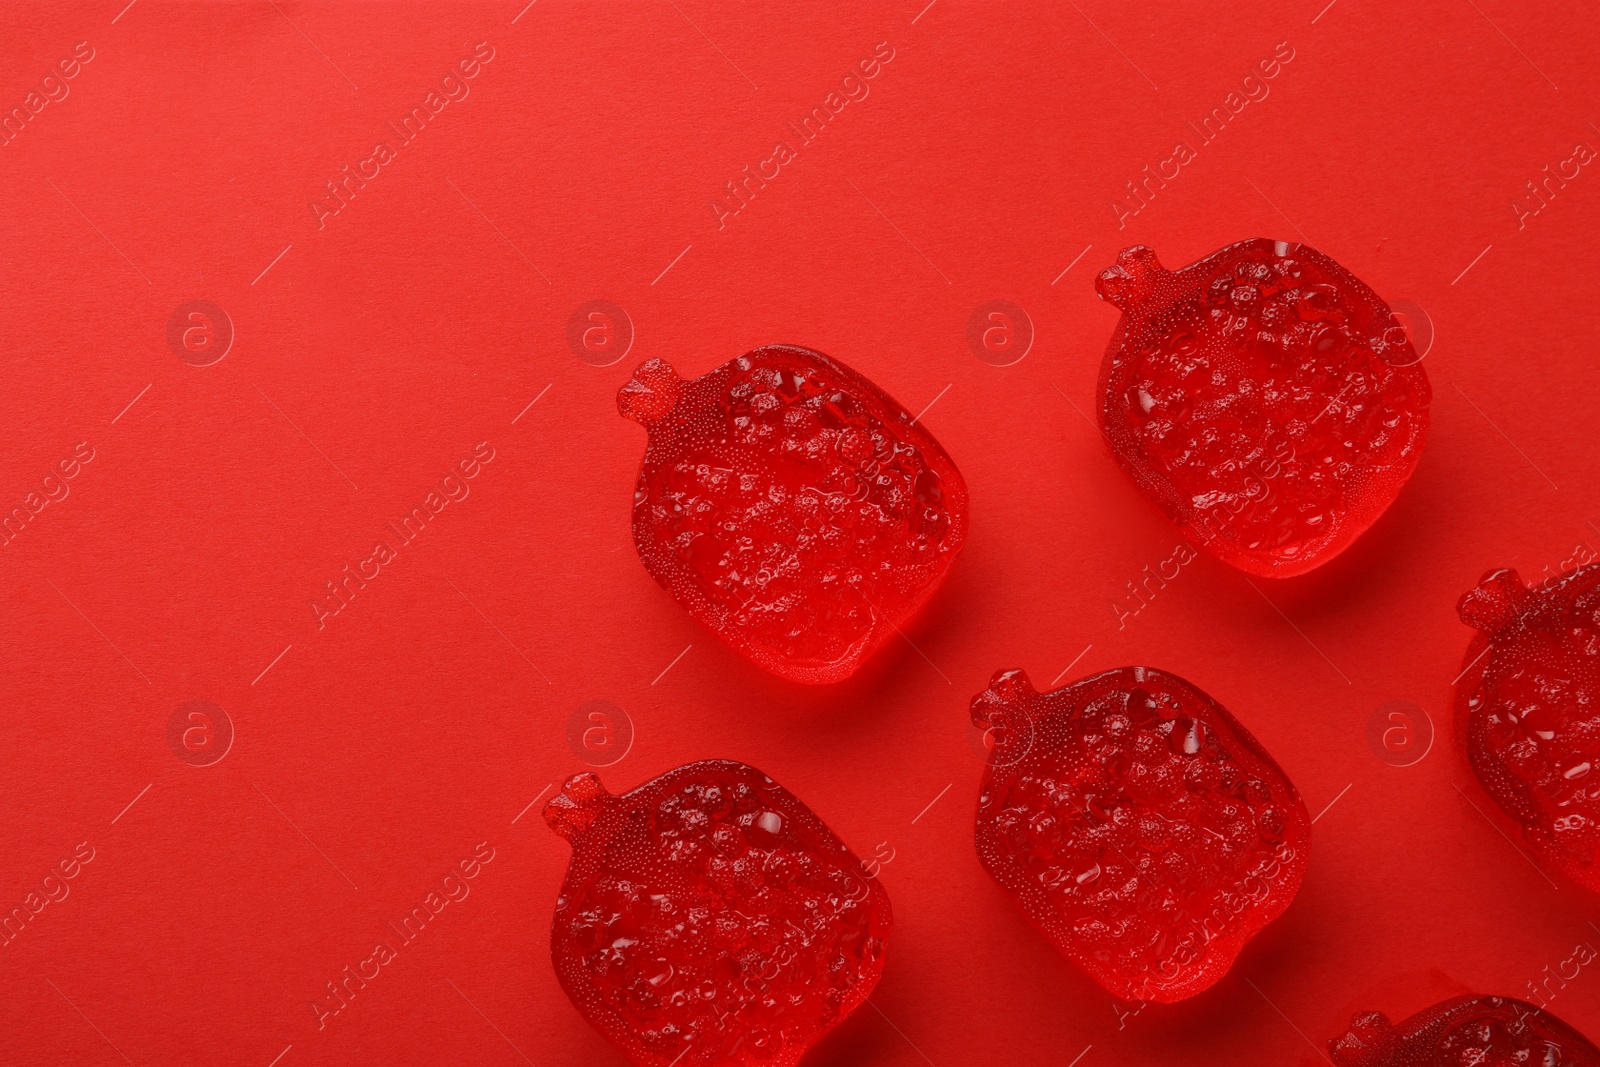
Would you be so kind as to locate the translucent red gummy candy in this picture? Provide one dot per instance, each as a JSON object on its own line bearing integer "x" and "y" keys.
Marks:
{"x": 1269, "y": 403}
{"x": 1264, "y": 398}
{"x": 792, "y": 507}
{"x": 1473, "y": 1031}
{"x": 1141, "y": 828}
{"x": 708, "y": 917}
{"x": 1529, "y": 702}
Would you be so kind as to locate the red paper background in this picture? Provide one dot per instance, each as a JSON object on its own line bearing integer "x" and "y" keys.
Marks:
{"x": 373, "y": 353}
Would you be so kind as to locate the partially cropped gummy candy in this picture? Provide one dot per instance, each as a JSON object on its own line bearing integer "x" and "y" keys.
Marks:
{"x": 1471, "y": 1031}
{"x": 1143, "y": 830}
{"x": 792, "y": 507}
{"x": 1266, "y": 400}
{"x": 710, "y": 919}
{"x": 1529, "y": 698}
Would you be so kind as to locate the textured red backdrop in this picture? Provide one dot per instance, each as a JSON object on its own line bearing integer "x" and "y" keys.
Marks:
{"x": 375, "y": 347}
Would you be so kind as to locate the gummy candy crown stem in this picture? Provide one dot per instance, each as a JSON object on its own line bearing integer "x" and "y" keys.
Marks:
{"x": 1370, "y": 1042}
{"x": 1132, "y": 277}
{"x": 574, "y": 809}
{"x": 1008, "y": 694}
{"x": 650, "y": 393}
{"x": 1495, "y": 601}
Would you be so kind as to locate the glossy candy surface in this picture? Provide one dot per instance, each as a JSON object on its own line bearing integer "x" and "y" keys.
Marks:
{"x": 792, "y": 507}
{"x": 1264, "y": 398}
{"x": 1140, "y": 826}
{"x": 1473, "y": 1031}
{"x": 710, "y": 918}
{"x": 1529, "y": 702}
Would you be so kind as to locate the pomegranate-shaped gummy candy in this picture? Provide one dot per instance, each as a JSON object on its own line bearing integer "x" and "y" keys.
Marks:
{"x": 1264, "y": 398}
{"x": 1475, "y": 1031}
{"x": 1141, "y": 828}
{"x": 709, "y": 919}
{"x": 792, "y": 507}
{"x": 1529, "y": 701}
